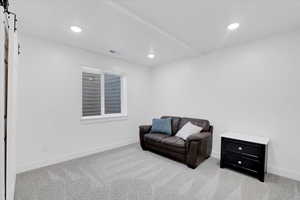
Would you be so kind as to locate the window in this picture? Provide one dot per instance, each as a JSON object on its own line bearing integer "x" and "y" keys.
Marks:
{"x": 103, "y": 94}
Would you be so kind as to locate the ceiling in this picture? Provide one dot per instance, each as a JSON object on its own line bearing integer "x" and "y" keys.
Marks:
{"x": 172, "y": 29}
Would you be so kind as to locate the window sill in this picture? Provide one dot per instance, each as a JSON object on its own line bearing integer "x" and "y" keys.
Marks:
{"x": 99, "y": 119}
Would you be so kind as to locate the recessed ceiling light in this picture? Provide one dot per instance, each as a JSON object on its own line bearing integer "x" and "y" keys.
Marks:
{"x": 76, "y": 29}
{"x": 233, "y": 26}
{"x": 151, "y": 55}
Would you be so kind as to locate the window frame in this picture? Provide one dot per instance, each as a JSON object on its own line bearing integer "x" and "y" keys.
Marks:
{"x": 103, "y": 116}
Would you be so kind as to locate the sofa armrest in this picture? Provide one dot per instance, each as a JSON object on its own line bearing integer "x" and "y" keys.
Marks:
{"x": 198, "y": 136}
{"x": 198, "y": 147}
{"x": 144, "y": 129}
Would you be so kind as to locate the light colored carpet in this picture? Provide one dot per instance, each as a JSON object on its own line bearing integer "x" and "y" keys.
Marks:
{"x": 128, "y": 173}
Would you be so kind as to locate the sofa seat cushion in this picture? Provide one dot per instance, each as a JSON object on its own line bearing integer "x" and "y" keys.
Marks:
{"x": 155, "y": 137}
{"x": 174, "y": 143}
{"x": 163, "y": 141}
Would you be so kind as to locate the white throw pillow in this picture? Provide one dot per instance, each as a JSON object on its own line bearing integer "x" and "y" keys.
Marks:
{"x": 187, "y": 130}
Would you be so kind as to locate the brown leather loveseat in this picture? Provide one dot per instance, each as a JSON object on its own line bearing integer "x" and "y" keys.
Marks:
{"x": 192, "y": 151}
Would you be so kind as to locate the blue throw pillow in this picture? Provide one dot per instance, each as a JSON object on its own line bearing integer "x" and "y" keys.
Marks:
{"x": 162, "y": 126}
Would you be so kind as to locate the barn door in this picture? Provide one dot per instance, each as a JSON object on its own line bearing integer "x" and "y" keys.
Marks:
{"x": 8, "y": 91}
{"x": 11, "y": 107}
{"x": 2, "y": 104}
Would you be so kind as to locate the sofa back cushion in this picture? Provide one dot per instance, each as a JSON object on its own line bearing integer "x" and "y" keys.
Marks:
{"x": 175, "y": 123}
{"x": 198, "y": 122}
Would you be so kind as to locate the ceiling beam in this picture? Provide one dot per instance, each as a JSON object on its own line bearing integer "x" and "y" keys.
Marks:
{"x": 129, "y": 13}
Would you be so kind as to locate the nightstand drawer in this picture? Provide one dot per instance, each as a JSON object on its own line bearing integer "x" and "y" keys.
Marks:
{"x": 244, "y": 148}
{"x": 242, "y": 162}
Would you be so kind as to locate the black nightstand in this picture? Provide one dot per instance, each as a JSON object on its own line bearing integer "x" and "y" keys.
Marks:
{"x": 246, "y": 154}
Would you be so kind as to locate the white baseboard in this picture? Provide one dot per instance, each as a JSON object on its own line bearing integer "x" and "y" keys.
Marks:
{"x": 215, "y": 154}
{"x": 295, "y": 175}
{"x": 47, "y": 162}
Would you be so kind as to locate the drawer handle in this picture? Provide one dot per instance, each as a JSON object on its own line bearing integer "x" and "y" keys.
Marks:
{"x": 240, "y": 148}
{"x": 239, "y": 162}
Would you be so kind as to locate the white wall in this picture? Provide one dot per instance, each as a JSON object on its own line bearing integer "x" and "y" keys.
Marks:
{"x": 252, "y": 89}
{"x": 49, "y": 104}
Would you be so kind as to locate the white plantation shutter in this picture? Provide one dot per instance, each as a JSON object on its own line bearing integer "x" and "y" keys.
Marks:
{"x": 91, "y": 94}
{"x": 112, "y": 93}
{"x": 103, "y": 94}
